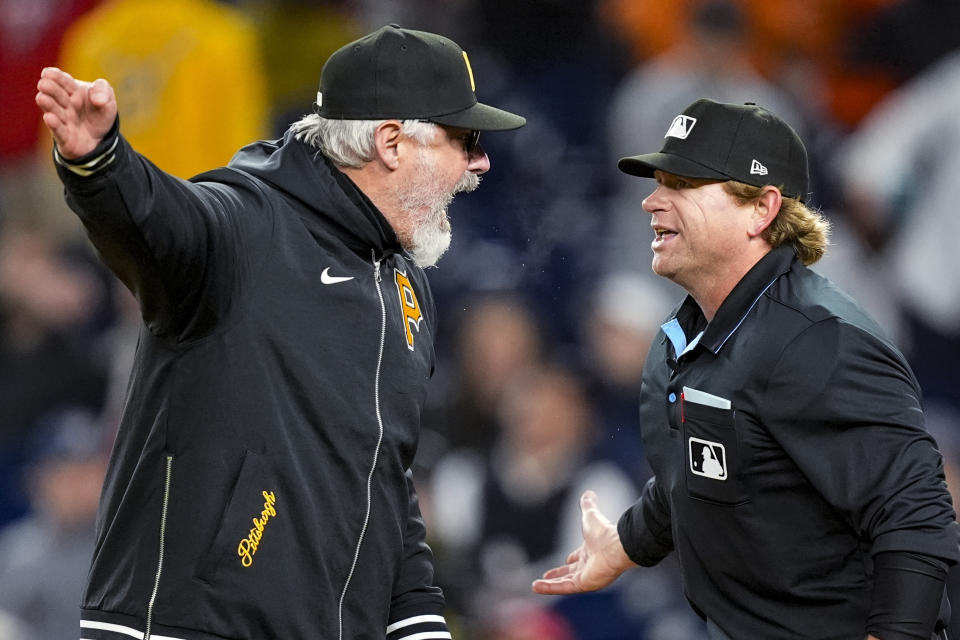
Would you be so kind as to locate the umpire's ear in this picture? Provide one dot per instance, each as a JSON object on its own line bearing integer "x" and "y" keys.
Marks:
{"x": 387, "y": 138}
{"x": 765, "y": 209}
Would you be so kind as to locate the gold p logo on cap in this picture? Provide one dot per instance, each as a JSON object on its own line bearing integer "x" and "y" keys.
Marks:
{"x": 473, "y": 86}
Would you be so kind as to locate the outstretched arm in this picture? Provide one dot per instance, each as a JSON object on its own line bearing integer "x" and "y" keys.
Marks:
{"x": 78, "y": 114}
{"x": 183, "y": 248}
{"x": 596, "y": 563}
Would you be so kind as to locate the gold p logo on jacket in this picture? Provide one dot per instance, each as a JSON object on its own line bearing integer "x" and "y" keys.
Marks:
{"x": 408, "y": 305}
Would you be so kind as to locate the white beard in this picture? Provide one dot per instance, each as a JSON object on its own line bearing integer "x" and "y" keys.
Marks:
{"x": 426, "y": 204}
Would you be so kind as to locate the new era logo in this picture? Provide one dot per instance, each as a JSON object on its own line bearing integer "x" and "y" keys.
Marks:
{"x": 681, "y": 127}
{"x": 757, "y": 169}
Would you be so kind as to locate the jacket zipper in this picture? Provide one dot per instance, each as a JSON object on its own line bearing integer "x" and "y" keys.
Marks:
{"x": 163, "y": 533}
{"x": 376, "y": 452}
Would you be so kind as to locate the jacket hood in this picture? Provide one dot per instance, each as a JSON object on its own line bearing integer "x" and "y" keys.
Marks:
{"x": 327, "y": 197}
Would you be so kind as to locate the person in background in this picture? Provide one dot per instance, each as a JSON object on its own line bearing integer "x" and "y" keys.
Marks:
{"x": 49, "y": 303}
{"x": 44, "y": 556}
{"x": 171, "y": 61}
{"x": 623, "y": 320}
{"x": 260, "y": 481}
{"x": 827, "y": 513}
{"x": 499, "y": 515}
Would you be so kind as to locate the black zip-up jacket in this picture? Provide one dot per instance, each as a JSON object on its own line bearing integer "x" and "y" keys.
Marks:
{"x": 259, "y": 485}
{"x": 793, "y": 475}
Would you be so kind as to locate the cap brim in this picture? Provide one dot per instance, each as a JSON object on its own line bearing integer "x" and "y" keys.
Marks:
{"x": 482, "y": 117}
{"x": 644, "y": 166}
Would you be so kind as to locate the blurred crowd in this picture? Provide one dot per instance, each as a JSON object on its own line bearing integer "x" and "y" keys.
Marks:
{"x": 547, "y": 303}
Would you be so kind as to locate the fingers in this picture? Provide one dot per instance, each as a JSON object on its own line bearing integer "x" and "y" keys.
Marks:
{"x": 77, "y": 113}
{"x": 54, "y": 116}
{"x": 555, "y": 587}
{"x": 53, "y": 123}
{"x": 67, "y": 93}
{"x": 588, "y": 502}
{"x": 558, "y": 572}
{"x": 54, "y": 105}
{"x": 59, "y": 77}
{"x": 57, "y": 84}
{"x": 54, "y": 90}
{"x": 592, "y": 519}
{"x": 101, "y": 93}
{"x": 57, "y": 96}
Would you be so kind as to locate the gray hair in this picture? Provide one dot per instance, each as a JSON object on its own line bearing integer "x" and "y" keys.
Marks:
{"x": 349, "y": 143}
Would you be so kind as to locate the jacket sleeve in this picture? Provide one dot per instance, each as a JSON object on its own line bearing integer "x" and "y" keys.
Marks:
{"x": 845, "y": 407}
{"x": 182, "y": 248}
{"x": 417, "y": 603}
{"x": 644, "y": 529}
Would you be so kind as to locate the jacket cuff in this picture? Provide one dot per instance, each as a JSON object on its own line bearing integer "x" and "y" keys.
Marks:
{"x": 422, "y": 624}
{"x": 95, "y": 161}
{"x": 634, "y": 540}
{"x": 908, "y": 596}
{"x": 645, "y": 533}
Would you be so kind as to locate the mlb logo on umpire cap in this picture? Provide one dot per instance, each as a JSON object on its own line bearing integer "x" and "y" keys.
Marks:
{"x": 744, "y": 142}
{"x": 681, "y": 127}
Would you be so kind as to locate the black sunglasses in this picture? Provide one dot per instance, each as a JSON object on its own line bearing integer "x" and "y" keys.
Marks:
{"x": 473, "y": 139}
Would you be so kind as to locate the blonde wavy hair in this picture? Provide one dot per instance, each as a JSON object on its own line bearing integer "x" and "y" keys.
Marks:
{"x": 808, "y": 231}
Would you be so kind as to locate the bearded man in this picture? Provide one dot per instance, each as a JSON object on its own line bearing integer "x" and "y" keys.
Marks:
{"x": 259, "y": 484}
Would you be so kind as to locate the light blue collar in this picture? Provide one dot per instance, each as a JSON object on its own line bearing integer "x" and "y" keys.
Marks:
{"x": 678, "y": 338}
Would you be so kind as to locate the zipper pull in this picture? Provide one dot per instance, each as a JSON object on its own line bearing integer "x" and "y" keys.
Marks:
{"x": 376, "y": 266}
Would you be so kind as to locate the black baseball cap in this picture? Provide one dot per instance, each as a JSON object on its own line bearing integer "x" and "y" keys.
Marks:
{"x": 721, "y": 141}
{"x": 407, "y": 75}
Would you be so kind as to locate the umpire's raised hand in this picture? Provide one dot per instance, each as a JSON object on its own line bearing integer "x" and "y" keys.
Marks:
{"x": 79, "y": 114}
{"x": 593, "y": 565}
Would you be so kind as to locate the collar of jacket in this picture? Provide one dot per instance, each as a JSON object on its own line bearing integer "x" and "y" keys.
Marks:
{"x": 391, "y": 243}
{"x": 329, "y": 201}
{"x": 738, "y": 303}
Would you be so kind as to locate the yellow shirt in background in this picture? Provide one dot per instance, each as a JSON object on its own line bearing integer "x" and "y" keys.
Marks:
{"x": 187, "y": 73}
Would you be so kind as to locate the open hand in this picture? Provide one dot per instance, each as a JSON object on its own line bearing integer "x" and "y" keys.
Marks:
{"x": 596, "y": 563}
{"x": 77, "y": 113}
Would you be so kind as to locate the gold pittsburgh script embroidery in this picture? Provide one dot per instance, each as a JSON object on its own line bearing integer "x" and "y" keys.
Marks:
{"x": 248, "y": 546}
{"x": 408, "y": 305}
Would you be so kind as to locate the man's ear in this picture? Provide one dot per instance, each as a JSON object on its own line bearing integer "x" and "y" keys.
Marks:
{"x": 386, "y": 139}
{"x": 765, "y": 209}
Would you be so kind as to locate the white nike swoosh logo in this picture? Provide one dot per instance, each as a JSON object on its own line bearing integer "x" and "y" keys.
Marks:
{"x": 326, "y": 278}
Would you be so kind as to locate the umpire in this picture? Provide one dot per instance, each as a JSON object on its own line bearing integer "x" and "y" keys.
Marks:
{"x": 793, "y": 475}
{"x": 259, "y": 486}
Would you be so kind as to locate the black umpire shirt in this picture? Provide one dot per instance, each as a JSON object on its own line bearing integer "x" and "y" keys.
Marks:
{"x": 793, "y": 475}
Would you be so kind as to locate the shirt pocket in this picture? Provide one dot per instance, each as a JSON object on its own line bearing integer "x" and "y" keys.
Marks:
{"x": 711, "y": 454}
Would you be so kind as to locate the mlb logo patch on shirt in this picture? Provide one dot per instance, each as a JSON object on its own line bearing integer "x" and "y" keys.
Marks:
{"x": 707, "y": 459}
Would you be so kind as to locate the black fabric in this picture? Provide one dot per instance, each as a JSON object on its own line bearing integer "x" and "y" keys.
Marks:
{"x": 908, "y": 596}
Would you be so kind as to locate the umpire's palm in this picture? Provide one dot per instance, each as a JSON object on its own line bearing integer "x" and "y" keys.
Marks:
{"x": 77, "y": 113}
{"x": 596, "y": 563}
